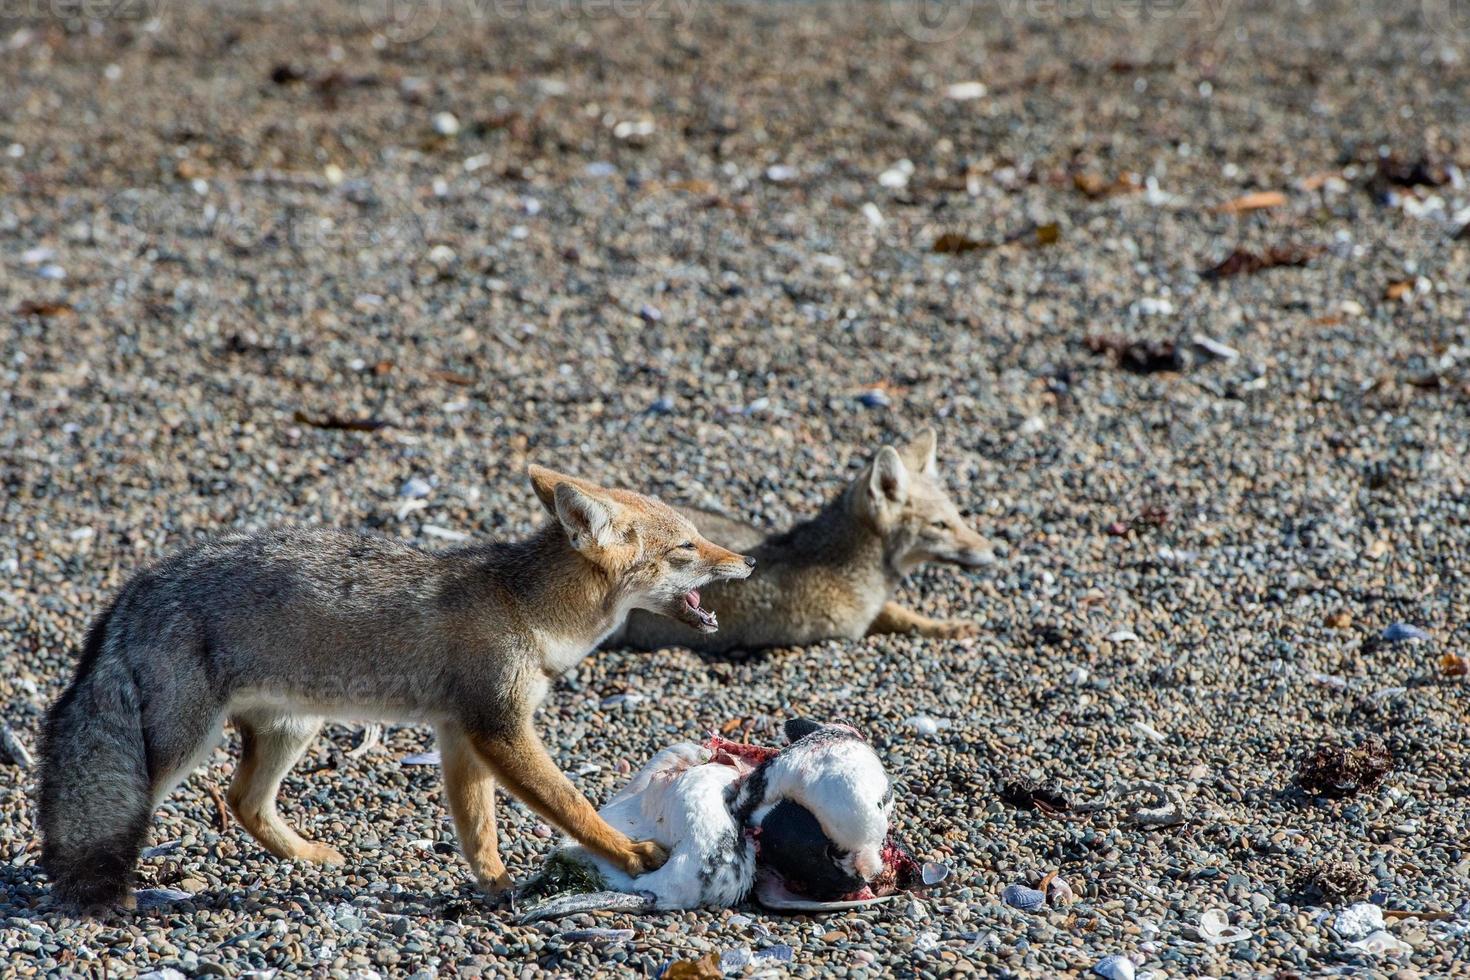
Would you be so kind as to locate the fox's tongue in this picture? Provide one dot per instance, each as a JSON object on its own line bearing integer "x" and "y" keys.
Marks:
{"x": 705, "y": 619}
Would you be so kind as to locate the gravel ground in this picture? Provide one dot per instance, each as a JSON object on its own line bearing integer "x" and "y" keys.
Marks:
{"x": 681, "y": 250}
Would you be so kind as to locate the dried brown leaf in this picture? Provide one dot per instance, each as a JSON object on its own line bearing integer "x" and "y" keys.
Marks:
{"x": 1255, "y": 201}
{"x": 42, "y": 308}
{"x": 954, "y": 243}
{"x": 705, "y": 968}
{"x": 452, "y": 377}
{"x": 1245, "y": 262}
{"x": 1096, "y": 186}
{"x": 1398, "y": 289}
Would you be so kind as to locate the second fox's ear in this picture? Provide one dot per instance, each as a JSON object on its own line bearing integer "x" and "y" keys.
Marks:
{"x": 889, "y": 482}
{"x": 588, "y": 519}
{"x": 545, "y": 482}
{"x": 922, "y": 452}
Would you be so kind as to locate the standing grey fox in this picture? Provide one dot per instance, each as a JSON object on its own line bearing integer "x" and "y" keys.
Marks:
{"x": 277, "y": 630}
{"x": 834, "y": 575}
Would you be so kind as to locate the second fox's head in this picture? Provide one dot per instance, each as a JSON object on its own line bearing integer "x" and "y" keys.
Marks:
{"x": 900, "y": 495}
{"x": 653, "y": 557}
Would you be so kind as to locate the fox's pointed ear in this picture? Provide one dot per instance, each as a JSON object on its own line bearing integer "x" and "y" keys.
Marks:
{"x": 799, "y": 728}
{"x": 544, "y": 482}
{"x": 587, "y": 518}
{"x": 922, "y": 452}
{"x": 889, "y": 480}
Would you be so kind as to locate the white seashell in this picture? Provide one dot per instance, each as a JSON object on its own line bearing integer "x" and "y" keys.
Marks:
{"x": 1380, "y": 942}
{"x": 1214, "y": 347}
{"x": 897, "y": 176}
{"x": 1147, "y": 731}
{"x": 1114, "y": 968}
{"x": 421, "y": 759}
{"x": 1122, "y": 636}
{"x": 1149, "y": 306}
{"x": 926, "y": 725}
{"x": 965, "y": 91}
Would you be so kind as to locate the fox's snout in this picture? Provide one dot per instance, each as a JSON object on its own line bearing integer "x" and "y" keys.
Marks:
{"x": 727, "y": 564}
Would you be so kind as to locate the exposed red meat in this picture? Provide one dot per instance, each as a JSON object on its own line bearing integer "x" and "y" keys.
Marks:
{"x": 738, "y": 754}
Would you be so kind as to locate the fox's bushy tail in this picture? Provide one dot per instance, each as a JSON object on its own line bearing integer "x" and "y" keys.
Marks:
{"x": 95, "y": 793}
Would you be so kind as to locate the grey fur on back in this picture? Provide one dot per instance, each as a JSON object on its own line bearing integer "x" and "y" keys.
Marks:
{"x": 293, "y": 621}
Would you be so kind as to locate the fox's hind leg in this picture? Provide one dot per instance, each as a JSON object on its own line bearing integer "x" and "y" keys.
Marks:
{"x": 270, "y": 746}
{"x": 469, "y": 785}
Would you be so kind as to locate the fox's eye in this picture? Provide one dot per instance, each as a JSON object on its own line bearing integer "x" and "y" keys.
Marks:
{"x": 938, "y": 525}
{"x": 687, "y": 546}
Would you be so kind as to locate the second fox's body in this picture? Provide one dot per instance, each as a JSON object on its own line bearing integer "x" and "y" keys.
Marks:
{"x": 833, "y": 576}
{"x": 276, "y": 631}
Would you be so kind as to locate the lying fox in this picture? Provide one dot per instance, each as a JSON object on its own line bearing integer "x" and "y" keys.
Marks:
{"x": 833, "y": 577}
{"x": 278, "y": 630}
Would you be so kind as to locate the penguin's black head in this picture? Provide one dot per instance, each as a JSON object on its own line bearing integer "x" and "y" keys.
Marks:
{"x": 793, "y": 844}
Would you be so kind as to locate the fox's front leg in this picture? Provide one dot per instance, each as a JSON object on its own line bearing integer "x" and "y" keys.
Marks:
{"x": 893, "y": 618}
{"x": 527, "y": 771}
{"x": 469, "y": 785}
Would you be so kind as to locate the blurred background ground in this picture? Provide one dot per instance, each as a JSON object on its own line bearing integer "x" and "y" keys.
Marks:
{"x": 1183, "y": 286}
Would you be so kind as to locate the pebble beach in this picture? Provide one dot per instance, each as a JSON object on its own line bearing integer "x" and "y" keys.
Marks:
{"x": 1183, "y": 288}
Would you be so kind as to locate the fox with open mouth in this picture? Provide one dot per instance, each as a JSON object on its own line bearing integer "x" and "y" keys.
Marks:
{"x": 278, "y": 630}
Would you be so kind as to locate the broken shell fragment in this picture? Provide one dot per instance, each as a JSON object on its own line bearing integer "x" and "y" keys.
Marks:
{"x": 1058, "y": 892}
{"x": 1215, "y": 929}
{"x": 1380, "y": 942}
{"x": 1165, "y": 810}
{"x": 934, "y": 872}
{"x": 1023, "y": 898}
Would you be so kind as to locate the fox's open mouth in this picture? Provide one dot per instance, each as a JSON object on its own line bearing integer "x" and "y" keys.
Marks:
{"x": 691, "y": 612}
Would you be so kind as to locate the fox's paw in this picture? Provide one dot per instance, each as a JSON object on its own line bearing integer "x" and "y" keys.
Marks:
{"x": 951, "y": 629}
{"x": 499, "y": 889}
{"x": 644, "y": 856}
{"x": 322, "y": 854}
